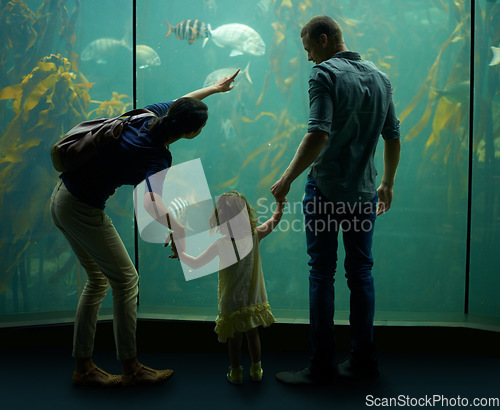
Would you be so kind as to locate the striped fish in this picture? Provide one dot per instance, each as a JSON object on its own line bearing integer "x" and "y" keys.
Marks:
{"x": 189, "y": 30}
{"x": 178, "y": 207}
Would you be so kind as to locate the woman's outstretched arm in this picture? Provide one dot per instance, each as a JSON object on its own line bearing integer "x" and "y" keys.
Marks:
{"x": 223, "y": 85}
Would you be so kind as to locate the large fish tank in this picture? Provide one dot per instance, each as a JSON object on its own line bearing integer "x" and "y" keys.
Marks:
{"x": 434, "y": 250}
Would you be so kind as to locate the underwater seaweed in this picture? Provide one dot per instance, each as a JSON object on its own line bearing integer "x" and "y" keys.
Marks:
{"x": 40, "y": 99}
{"x": 429, "y": 89}
{"x": 47, "y": 99}
{"x": 289, "y": 16}
{"x": 18, "y": 34}
{"x": 112, "y": 108}
{"x": 29, "y": 36}
{"x": 45, "y": 103}
{"x": 285, "y": 137}
{"x": 445, "y": 120}
{"x": 486, "y": 143}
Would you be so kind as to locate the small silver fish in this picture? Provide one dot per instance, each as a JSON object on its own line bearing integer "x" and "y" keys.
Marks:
{"x": 210, "y": 6}
{"x": 263, "y": 7}
{"x": 190, "y": 30}
{"x": 216, "y": 75}
{"x": 496, "y": 55}
{"x": 227, "y": 128}
{"x": 241, "y": 108}
{"x": 100, "y": 49}
{"x": 241, "y": 39}
{"x": 146, "y": 57}
{"x": 458, "y": 93}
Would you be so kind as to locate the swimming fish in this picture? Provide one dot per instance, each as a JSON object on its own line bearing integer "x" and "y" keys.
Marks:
{"x": 210, "y": 6}
{"x": 146, "y": 57}
{"x": 458, "y": 93}
{"x": 240, "y": 107}
{"x": 496, "y": 55}
{"x": 263, "y": 8}
{"x": 99, "y": 49}
{"x": 178, "y": 207}
{"x": 227, "y": 128}
{"x": 216, "y": 75}
{"x": 240, "y": 38}
{"x": 189, "y": 30}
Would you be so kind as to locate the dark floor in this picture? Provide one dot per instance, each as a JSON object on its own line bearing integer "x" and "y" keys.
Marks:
{"x": 40, "y": 378}
{"x": 416, "y": 363}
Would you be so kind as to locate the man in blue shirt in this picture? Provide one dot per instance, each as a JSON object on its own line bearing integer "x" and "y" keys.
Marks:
{"x": 350, "y": 107}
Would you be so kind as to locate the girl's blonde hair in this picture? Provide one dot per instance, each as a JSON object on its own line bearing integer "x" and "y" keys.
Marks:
{"x": 227, "y": 208}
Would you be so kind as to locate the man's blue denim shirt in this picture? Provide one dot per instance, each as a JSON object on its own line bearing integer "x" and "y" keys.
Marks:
{"x": 351, "y": 100}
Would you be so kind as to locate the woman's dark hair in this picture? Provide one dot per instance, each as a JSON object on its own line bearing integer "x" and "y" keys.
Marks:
{"x": 184, "y": 116}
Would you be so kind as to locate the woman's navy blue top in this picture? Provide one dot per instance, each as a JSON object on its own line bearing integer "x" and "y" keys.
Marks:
{"x": 134, "y": 158}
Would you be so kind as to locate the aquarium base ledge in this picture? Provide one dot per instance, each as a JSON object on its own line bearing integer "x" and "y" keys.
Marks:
{"x": 296, "y": 316}
{"x": 173, "y": 335}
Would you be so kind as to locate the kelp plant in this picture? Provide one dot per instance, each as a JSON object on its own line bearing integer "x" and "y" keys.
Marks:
{"x": 27, "y": 36}
{"x": 445, "y": 119}
{"x": 42, "y": 95}
{"x": 47, "y": 102}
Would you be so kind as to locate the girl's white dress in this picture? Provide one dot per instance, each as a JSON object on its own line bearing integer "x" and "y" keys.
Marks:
{"x": 242, "y": 297}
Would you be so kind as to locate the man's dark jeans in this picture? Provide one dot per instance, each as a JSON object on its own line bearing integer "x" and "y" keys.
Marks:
{"x": 323, "y": 221}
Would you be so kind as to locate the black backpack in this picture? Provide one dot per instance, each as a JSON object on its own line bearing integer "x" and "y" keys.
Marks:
{"x": 87, "y": 139}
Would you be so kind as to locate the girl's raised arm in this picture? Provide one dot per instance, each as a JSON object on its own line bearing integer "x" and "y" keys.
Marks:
{"x": 267, "y": 227}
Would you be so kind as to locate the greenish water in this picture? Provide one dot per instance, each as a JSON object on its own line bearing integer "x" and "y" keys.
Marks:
{"x": 424, "y": 269}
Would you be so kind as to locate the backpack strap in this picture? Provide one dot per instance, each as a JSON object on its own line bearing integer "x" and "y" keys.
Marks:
{"x": 138, "y": 113}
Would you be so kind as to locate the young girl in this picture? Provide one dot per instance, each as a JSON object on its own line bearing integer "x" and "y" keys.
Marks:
{"x": 242, "y": 298}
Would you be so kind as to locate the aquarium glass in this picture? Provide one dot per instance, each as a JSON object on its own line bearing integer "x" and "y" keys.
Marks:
{"x": 65, "y": 61}
{"x": 485, "y": 269}
{"x": 54, "y": 75}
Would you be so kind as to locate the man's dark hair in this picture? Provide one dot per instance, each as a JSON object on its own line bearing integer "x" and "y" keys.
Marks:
{"x": 323, "y": 25}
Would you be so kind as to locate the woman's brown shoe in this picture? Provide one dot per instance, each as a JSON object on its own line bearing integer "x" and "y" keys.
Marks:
{"x": 146, "y": 376}
{"x": 96, "y": 378}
